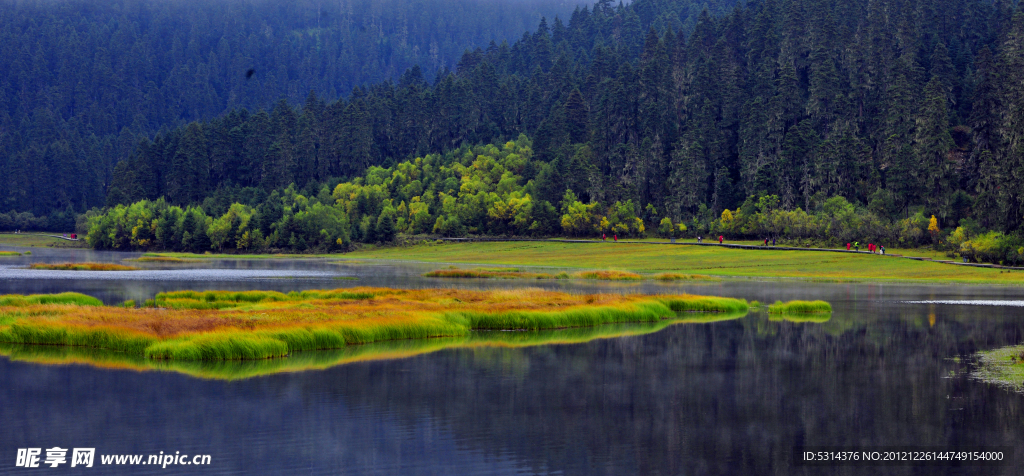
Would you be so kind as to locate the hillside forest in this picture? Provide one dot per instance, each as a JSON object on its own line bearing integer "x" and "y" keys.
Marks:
{"x": 893, "y": 121}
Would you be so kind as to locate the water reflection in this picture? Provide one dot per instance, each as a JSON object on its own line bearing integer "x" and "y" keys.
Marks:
{"x": 731, "y": 397}
{"x": 319, "y": 360}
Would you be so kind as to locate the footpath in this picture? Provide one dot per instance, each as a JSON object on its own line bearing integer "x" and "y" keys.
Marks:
{"x": 741, "y": 247}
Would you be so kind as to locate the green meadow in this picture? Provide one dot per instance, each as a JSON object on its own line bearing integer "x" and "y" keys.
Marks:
{"x": 800, "y": 307}
{"x": 38, "y": 240}
{"x": 696, "y": 260}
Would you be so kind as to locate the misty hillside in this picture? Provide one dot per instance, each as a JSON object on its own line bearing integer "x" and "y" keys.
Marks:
{"x": 896, "y": 104}
{"x": 82, "y": 81}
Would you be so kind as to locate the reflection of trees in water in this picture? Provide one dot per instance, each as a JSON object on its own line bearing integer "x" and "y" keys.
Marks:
{"x": 728, "y": 398}
{"x": 724, "y": 398}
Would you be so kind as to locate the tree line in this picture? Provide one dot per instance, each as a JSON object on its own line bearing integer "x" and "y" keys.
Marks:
{"x": 901, "y": 107}
{"x": 482, "y": 190}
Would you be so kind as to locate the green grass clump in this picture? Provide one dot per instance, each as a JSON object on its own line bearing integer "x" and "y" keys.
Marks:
{"x": 219, "y": 346}
{"x": 579, "y": 317}
{"x": 105, "y": 338}
{"x": 799, "y": 307}
{"x": 62, "y": 298}
{"x": 4, "y": 254}
{"x": 706, "y": 304}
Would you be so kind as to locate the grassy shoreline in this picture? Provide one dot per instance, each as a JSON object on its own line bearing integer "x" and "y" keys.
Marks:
{"x": 221, "y": 325}
{"x": 38, "y": 240}
{"x": 646, "y": 259}
{"x": 696, "y": 260}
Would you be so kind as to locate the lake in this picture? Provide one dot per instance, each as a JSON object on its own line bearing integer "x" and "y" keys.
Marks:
{"x": 889, "y": 368}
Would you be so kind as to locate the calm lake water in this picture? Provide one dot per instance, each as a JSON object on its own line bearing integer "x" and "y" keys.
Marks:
{"x": 733, "y": 397}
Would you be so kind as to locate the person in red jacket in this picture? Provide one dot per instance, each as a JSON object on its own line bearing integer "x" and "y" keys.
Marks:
{"x": 847, "y": 247}
{"x": 720, "y": 239}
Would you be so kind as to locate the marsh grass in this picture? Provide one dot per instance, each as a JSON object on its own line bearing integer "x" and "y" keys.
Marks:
{"x": 386, "y": 350}
{"x": 683, "y": 277}
{"x": 227, "y": 325}
{"x": 9, "y": 254}
{"x": 610, "y": 275}
{"x": 1003, "y": 367}
{"x": 83, "y": 266}
{"x": 799, "y": 307}
{"x": 19, "y": 300}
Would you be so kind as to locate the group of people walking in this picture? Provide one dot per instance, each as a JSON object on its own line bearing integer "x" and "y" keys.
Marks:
{"x": 872, "y": 248}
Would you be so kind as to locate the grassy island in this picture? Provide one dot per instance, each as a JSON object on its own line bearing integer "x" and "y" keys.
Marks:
{"x": 221, "y": 325}
{"x": 800, "y": 307}
{"x": 1003, "y": 367}
{"x": 9, "y": 254}
{"x": 385, "y": 350}
{"x": 83, "y": 266}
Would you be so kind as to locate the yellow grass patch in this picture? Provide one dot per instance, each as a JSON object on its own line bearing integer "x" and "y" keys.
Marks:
{"x": 608, "y": 275}
{"x": 224, "y": 325}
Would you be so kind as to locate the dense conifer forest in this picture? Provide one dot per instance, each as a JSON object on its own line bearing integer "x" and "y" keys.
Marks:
{"x": 82, "y": 81}
{"x": 886, "y": 112}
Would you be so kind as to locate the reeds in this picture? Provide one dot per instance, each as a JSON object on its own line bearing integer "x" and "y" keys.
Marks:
{"x": 608, "y": 275}
{"x": 19, "y": 300}
{"x": 799, "y": 307}
{"x": 83, "y": 266}
{"x": 225, "y": 325}
{"x": 5, "y": 254}
{"x": 691, "y": 303}
{"x": 682, "y": 277}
